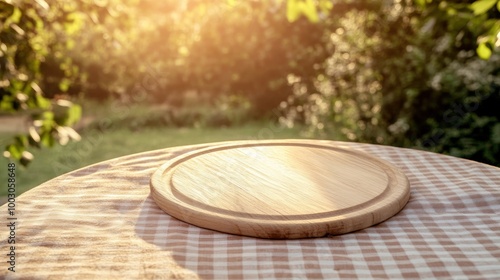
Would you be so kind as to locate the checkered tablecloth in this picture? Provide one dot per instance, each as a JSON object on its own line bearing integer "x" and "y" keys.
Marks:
{"x": 100, "y": 222}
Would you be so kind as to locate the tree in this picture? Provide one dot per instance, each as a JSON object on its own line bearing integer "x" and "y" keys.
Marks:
{"x": 407, "y": 75}
{"x": 35, "y": 37}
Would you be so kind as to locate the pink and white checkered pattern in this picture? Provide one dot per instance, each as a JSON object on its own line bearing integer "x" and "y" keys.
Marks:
{"x": 100, "y": 222}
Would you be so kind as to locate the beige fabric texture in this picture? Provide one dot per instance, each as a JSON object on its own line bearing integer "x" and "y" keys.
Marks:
{"x": 99, "y": 222}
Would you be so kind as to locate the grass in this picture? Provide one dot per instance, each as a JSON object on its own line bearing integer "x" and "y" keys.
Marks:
{"x": 96, "y": 146}
{"x": 131, "y": 128}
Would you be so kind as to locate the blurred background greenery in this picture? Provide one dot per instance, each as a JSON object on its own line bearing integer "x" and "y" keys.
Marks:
{"x": 150, "y": 74}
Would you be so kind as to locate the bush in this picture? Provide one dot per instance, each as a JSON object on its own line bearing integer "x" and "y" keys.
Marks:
{"x": 468, "y": 124}
{"x": 399, "y": 75}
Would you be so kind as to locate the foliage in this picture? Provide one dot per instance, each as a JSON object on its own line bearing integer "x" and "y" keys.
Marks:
{"x": 397, "y": 74}
{"x": 378, "y": 71}
{"x": 308, "y": 8}
{"x": 30, "y": 33}
{"x": 216, "y": 48}
{"x": 37, "y": 69}
{"x": 488, "y": 20}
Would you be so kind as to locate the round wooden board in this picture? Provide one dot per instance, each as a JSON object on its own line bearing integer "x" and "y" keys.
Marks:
{"x": 280, "y": 189}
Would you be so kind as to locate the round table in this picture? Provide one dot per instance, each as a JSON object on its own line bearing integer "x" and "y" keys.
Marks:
{"x": 101, "y": 222}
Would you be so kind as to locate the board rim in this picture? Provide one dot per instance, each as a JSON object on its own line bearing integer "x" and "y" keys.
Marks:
{"x": 396, "y": 199}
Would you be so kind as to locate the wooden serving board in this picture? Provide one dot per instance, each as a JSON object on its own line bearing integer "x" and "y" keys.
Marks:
{"x": 280, "y": 189}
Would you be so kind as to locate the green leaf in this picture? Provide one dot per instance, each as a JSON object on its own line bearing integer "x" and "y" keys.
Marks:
{"x": 47, "y": 119}
{"x": 64, "y": 84}
{"x": 48, "y": 115}
{"x": 295, "y": 8}
{"x": 309, "y": 10}
{"x": 47, "y": 139}
{"x": 498, "y": 6}
{"x": 74, "y": 114}
{"x": 48, "y": 124}
{"x": 15, "y": 151}
{"x": 482, "y": 6}
{"x": 74, "y": 23}
{"x": 421, "y": 3}
{"x": 6, "y": 104}
{"x": 325, "y": 5}
{"x": 451, "y": 12}
{"x": 15, "y": 16}
{"x": 292, "y": 10}
{"x": 483, "y": 51}
{"x": 42, "y": 102}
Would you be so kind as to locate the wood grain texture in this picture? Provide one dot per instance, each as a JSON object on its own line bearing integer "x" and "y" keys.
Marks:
{"x": 280, "y": 189}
